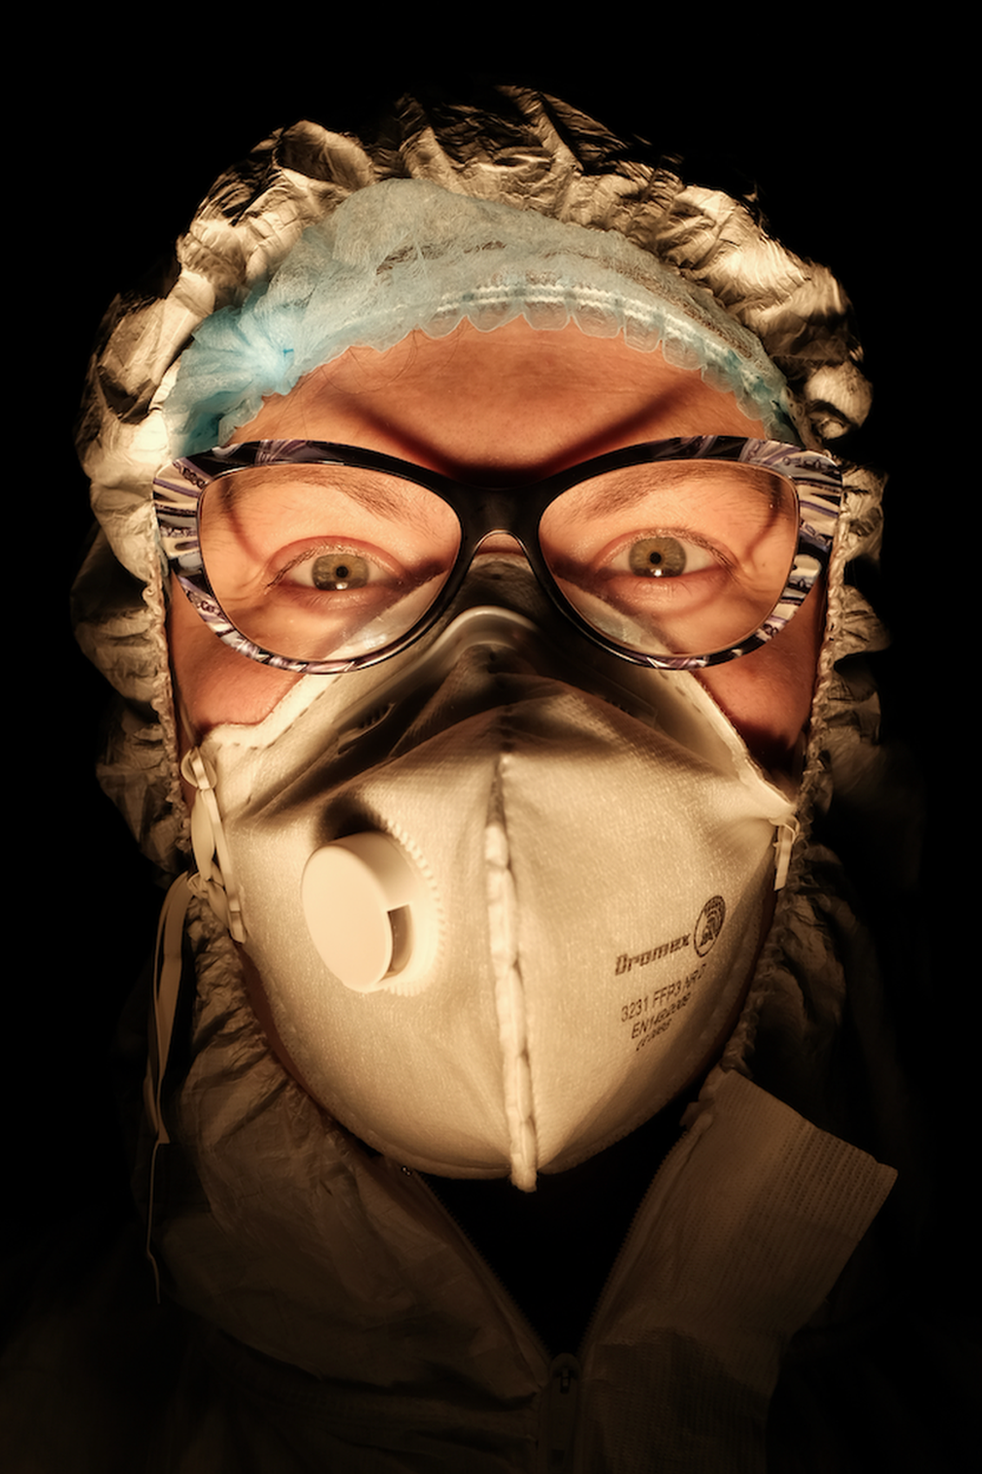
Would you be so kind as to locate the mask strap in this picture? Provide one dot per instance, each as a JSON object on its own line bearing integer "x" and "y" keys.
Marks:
{"x": 215, "y": 881}
{"x": 784, "y": 839}
{"x": 167, "y": 973}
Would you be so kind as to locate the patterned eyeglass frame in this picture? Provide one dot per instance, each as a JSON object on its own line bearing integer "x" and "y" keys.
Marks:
{"x": 480, "y": 510}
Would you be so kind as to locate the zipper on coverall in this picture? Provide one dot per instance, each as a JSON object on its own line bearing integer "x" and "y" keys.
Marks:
{"x": 559, "y": 1415}
{"x": 557, "y": 1424}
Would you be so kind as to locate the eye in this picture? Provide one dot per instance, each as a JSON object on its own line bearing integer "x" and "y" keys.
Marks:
{"x": 660, "y": 555}
{"x": 333, "y": 571}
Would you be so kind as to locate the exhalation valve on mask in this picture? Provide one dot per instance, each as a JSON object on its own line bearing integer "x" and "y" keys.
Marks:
{"x": 478, "y": 897}
{"x": 369, "y": 911}
{"x": 368, "y": 908}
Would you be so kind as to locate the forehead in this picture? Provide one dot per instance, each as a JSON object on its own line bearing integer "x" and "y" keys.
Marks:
{"x": 515, "y": 400}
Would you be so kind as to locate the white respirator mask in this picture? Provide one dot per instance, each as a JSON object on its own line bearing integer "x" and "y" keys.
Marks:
{"x": 503, "y": 897}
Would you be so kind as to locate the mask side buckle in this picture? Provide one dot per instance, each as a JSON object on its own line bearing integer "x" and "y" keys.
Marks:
{"x": 214, "y": 881}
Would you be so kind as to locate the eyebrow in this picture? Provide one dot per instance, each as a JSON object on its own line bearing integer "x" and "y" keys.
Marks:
{"x": 366, "y": 488}
{"x": 630, "y": 483}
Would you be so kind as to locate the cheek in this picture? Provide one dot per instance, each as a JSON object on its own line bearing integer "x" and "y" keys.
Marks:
{"x": 768, "y": 695}
{"x": 214, "y": 682}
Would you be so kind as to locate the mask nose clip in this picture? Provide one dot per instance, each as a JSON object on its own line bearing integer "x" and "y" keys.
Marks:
{"x": 480, "y": 625}
{"x": 370, "y": 913}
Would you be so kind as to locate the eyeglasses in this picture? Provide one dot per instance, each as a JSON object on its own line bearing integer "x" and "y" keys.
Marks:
{"x": 320, "y": 558}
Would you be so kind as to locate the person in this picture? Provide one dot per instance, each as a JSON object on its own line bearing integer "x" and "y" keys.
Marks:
{"x": 472, "y": 572}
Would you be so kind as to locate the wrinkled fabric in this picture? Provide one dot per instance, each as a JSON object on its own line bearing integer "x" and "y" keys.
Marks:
{"x": 406, "y": 255}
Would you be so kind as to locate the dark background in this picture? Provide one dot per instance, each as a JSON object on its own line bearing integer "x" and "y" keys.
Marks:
{"x": 108, "y": 172}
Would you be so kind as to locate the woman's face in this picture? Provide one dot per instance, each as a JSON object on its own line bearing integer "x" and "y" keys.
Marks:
{"x": 505, "y": 407}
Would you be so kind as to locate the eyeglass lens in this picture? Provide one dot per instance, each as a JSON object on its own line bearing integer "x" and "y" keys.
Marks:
{"x": 328, "y": 562}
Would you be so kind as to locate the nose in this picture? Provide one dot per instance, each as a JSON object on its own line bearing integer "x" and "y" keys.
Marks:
{"x": 500, "y": 576}
{"x": 499, "y": 542}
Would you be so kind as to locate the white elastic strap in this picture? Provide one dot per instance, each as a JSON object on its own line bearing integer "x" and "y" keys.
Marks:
{"x": 215, "y": 882}
{"x": 783, "y": 845}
